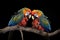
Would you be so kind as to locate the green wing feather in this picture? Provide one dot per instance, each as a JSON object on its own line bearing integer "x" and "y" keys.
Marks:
{"x": 17, "y": 18}
{"x": 45, "y": 23}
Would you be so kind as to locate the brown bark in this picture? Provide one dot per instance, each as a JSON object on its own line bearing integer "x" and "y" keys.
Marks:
{"x": 28, "y": 29}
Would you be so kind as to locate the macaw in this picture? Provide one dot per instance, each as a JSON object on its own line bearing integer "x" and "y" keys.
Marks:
{"x": 21, "y": 18}
{"x": 40, "y": 21}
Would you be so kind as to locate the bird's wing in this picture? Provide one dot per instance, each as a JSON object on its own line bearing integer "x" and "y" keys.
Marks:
{"x": 45, "y": 24}
{"x": 16, "y": 18}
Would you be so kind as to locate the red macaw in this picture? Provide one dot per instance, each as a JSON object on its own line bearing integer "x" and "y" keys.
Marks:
{"x": 21, "y": 18}
{"x": 40, "y": 21}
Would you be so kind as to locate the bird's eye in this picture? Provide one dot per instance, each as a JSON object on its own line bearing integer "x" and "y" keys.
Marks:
{"x": 27, "y": 13}
{"x": 35, "y": 15}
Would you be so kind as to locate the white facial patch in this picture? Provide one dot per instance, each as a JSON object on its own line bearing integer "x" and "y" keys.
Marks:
{"x": 35, "y": 15}
{"x": 27, "y": 13}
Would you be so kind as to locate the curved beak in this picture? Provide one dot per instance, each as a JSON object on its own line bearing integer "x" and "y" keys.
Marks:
{"x": 33, "y": 17}
{"x": 29, "y": 16}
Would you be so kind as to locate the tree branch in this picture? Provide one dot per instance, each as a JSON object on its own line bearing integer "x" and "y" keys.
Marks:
{"x": 40, "y": 32}
{"x": 8, "y": 28}
{"x": 54, "y": 33}
{"x": 21, "y": 34}
{"x": 28, "y": 29}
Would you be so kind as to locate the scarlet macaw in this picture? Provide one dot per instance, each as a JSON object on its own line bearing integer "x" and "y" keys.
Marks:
{"x": 40, "y": 21}
{"x": 21, "y": 18}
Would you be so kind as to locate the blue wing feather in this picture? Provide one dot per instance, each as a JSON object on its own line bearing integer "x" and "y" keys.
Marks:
{"x": 12, "y": 22}
{"x": 45, "y": 24}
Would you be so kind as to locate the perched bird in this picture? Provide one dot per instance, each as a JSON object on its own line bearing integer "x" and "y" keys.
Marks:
{"x": 21, "y": 18}
{"x": 40, "y": 21}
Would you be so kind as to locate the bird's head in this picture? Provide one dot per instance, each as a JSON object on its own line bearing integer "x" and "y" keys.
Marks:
{"x": 27, "y": 12}
{"x": 36, "y": 14}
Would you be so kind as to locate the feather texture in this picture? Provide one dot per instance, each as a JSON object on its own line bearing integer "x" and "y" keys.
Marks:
{"x": 45, "y": 24}
{"x": 16, "y": 18}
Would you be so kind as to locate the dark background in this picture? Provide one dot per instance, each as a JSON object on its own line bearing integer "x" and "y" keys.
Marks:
{"x": 49, "y": 7}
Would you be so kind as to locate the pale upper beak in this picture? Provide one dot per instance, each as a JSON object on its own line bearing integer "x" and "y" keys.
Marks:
{"x": 30, "y": 16}
{"x": 33, "y": 17}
